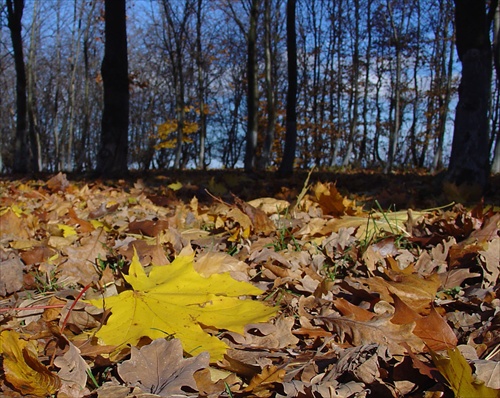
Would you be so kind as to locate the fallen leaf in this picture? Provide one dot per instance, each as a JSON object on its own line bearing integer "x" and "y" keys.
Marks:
{"x": 332, "y": 202}
{"x": 488, "y": 372}
{"x": 12, "y": 225}
{"x": 458, "y": 373}
{"x": 11, "y": 274}
{"x": 432, "y": 329}
{"x": 175, "y": 186}
{"x": 261, "y": 383}
{"x": 435, "y": 332}
{"x": 415, "y": 291}
{"x": 491, "y": 256}
{"x": 22, "y": 368}
{"x": 73, "y": 373}
{"x": 350, "y": 310}
{"x": 363, "y": 362}
{"x": 270, "y": 205}
{"x": 377, "y": 330}
{"x": 160, "y": 368}
{"x": 58, "y": 183}
{"x": 174, "y": 300}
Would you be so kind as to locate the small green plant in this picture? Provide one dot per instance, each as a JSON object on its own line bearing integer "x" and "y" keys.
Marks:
{"x": 114, "y": 262}
{"x": 46, "y": 281}
{"x": 284, "y": 235}
{"x": 208, "y": 227}
{"x": 451, "y": 292}
{"x": 92, "y": 378}
{"x": 384, "y": 226}
{"x": 232, "y": 250}
{"x": 337, "y": 266}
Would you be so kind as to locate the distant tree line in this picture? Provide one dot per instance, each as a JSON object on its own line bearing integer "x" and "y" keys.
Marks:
{"x": 251, "y": 83}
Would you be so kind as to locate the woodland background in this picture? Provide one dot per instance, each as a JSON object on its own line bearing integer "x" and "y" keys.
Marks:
{"x": 376, "y": 83}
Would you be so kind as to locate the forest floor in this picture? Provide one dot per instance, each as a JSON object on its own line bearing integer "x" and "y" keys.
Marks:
{"x": 223, "y": 284}
{"x": 399, "y": 189}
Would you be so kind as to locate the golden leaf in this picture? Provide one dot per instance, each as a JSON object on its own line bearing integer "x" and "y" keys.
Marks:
{"x": 174, "y": 300}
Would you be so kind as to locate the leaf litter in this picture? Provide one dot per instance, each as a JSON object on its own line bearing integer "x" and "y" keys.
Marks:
{"x": 132, "y": 290}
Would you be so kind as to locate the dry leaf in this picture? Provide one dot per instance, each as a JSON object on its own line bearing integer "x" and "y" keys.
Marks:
{"x": 458, "y": 373}
{"x": 261, "y": 383}
{"x": 378, "y": 330}
{"x": 22, "y": 368}
{"x": 160, "y": 368}
{"x": 11, "y": 274}
{"x": 73, "y": 373}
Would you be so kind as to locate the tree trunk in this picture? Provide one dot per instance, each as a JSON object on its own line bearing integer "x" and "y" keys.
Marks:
{"x": 253, "y": 90}
{"x": 286, "y": 166}
{"x": 468, "y": 170}
{"x": 394, "y": 130}
{"x": 364, "y": 140}
{"x": 495, "y": 12}
{"x": 33, "y": 130}
{"x": 201, "y": 87}
{"x": 354, "y": 94}
{"x": 112, "y": 157}
{"x": 15, "y": 14}
{"x": 495, "y": 17}
{"x": 444, "y": 108}
{"x": 271, "y": 103}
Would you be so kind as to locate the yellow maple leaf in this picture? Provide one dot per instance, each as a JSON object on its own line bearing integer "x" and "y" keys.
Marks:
{"x": 174, "y": 300}
{"x": 175, "y": 186}
{"x": 67, "y": 230}
{"x": 22, "y": 368}
{"x": 458, "y": 373}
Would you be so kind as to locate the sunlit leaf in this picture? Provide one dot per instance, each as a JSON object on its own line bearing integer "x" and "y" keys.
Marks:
{"x": 458, "y": 373}
{"x": 22, "y": 368}
{"x": 174, "y": 300}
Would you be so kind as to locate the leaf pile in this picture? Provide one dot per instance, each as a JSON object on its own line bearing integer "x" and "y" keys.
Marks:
{"x": 129, "y": 291}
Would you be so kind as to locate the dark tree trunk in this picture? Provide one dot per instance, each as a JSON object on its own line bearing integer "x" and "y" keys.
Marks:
{"x": 15, "y": 14}
{"x": 286, "y": 166}
{"x": 494, "y": 17}
{"x": 112, "y": 157}
{"x": 468, "y": 170}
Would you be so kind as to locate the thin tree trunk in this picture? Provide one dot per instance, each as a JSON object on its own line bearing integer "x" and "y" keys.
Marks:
{"x": 444, "y": 108}
{"x": 286, "y": 166}
{"x": 31, "y": 104}
{"x": 362, "y": 147}
{"x": 180, "y": 111}
{"x": 201, "y": 88}
{"x": 353, "y": 125}
{"x": 253, "y": 90}
{"x": 394, "y": 131}
{"x": 416, "y": 100}
{"x": 269, "y": 81}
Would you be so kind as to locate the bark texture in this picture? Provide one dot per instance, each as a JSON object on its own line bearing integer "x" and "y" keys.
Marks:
{"x": 468, "y": 171}
{"x": 112, "y": 157}
{"x": 286, "y": 166}
{"x": 15, "y": 14}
